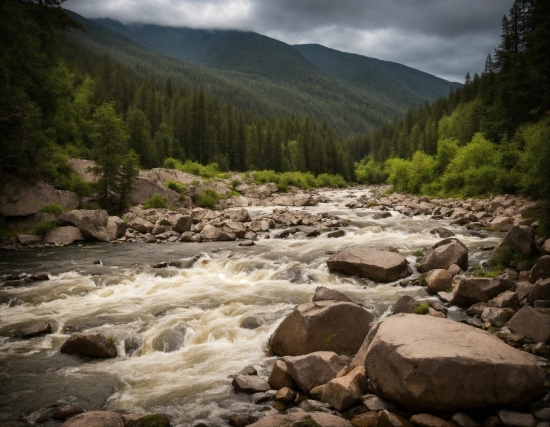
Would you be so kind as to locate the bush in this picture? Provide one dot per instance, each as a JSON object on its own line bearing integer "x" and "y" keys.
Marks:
{"x": 211, "y": 170}
{"x": 79, "y": 186}
{"x": 370, "y": 172}
{"x": 422, "y": 308}
{"x": 175, "y": 186}
{"x": 155, "y": 201}
{"x": 235, "y": 183}
{"x": 506, "y": 257}
{"x": 52, "y": 208}
{"x": 207, "y": 199}
{"x": 44, "y": 227}
{"x": 302, "y": 180}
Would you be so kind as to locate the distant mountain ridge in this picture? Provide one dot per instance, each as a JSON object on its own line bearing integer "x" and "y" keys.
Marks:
{"x": 352, "y": 93}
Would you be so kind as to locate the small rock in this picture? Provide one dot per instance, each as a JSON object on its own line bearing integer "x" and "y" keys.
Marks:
{"x": 325, "y": 294}
{"x": 516, "y": 419}
{"x": 497, "y": 316}
{"x": 438, "y": 280}
{"x": 241, "y": 420}
{"x": 463, "y": 420}
{"x": 313, "y": 233}
{"x": 162, "y": 264}
{"x": 280, "y": 377}
{"x": 95, "y": 419}
{"x": 426, "y": 420}
{"x": 389, "y": 419}
{"x": 368, "y": 419}
{"x": 67, "y": 411}
{"x": 542, "y": 414}
{"x": 40, "y": 277}
{"x": 374, "y": 403}
{"x": 249, "y": 370}
{"x": 36, "y": 329}
{"x": 132, "y": 420}
{"x": 285, "y": 395}
{"x": 131, "y": 345}
{"x": 405, "y": 304}
{"x": 90, "y": 344}
{"x": 250, "y": 323}
{"x": 337, "y": 233}
{"x": 249, "y": 384}
{"x": 540, "y": 349}
{"x": 247, "y": 243}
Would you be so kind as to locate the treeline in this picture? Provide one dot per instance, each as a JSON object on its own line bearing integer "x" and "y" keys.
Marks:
{"x": 54, "y": 101}
{"x": 490, "y": 136}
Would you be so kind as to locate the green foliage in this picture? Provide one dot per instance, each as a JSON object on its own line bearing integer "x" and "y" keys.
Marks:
{"x": 111, "y": 340}
{"x": 52, "y": 208}
{"x": 44, "y": 227}
{"x": 302, "y": 180}
{"x": 411, "y": 175}
{"x": 207, "y": 199}
{"x": 418, "y": 254}
{"x": 211, "y": 170}
{"x": 422, "y": 308}
{"x": 506, "y": 257}
{"x": 77, "y": 184}
{"x": 368, "y": 171}
{"x": 175, "y": 186}
{"x": 156, "y": 201}
{"x": 235, "y": 183}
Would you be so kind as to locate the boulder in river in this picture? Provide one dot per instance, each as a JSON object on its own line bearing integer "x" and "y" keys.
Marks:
{"x": 36, "y": 329}
{"x": 479, "y": 289}
{"x": 92, "y": 223}
{"x": 374, "y": 264}
{"x": 520, "y": 238}
{"x": 444, "y": 254}
{"x": 63, "y": 236}
{"x": 250, "y": 384}
{"x": 92, "y": 344}
{"x": 95, "y": 419}
{"x": 314, "y": 369}
{"x": 438, "y": 280}
{"x": 116, "y": 227}
{"x": 322, "y": 326}
{"x": 323, "y": 293}
{"x": 170, "y": 340}
{"x": 433, "y": 364}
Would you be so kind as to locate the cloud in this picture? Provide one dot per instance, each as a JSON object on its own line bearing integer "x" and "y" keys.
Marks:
{"x": 442, "y": 37}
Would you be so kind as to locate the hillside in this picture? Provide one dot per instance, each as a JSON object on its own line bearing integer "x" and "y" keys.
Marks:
{"x": 279, "y": 75}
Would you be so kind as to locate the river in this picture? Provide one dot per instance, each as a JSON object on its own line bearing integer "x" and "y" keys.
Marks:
{"x": 203, "y": 304}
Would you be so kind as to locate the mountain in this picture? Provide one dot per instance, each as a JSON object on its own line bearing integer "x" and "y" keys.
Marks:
{"x": 271, "y": 78}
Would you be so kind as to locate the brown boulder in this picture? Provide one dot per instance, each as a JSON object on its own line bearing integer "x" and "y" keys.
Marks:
{"x": 322, "y": 326}
{"x": 95, "y": 419}
{"x": 389, "y": 419}
{"x": 325, "y": 294}
{"x": 343, "y": 392}
{"x": 541, "y": 269}
{"x": 92, "y": 223}
{"x": 314, "y": 369}
{"x": 532, "y": 323}
{"x": 381, "y": 266}
{"x": 520, "y": 238}
{"x": 427, "y": 420}
{"x": 181, "y": 223}
{"x": 29, "y": 239}
{"x": 280, "y": 377}
{"x": 211, "y": 233}
{"x": 36, "y": 329}
{"x": 471, "y": 289}
{"x": 116, "y": 227}
{"x": 497, "y": 316}
{"x": 444, "y": 254}
{"x": 301, "y": 418}
{"x": 90, "y": 344}
{"x": 427, "y": 363}
{"x": 249, "y": 384}
{"x": 540, "y": 291}
{"x": 141, "y": 225}
{"x": 438, "y": 280}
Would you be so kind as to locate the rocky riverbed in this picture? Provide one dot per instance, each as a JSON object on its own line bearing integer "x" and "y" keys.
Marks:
{"x": 191, "y": 317}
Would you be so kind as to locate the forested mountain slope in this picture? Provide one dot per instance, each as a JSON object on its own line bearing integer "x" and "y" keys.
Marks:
{"x": 280, "y": 75}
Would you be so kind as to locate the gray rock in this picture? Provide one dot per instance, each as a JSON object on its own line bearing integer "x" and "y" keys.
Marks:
{"x": 211, "y": 233}
{"x": 181, "y": 223}
{"x": 497, "y": 316}
{"x": 374, "y": 403}
{"x": 389, "y": 419}
{"x": 239, "y": 215}
{"x": 444, "y": 254}
{"x": 405, "y": 304}
{"x": 29, "y": 239}
{"x": 141, "y": 225}
{"x": 427, "y": 363}
{"x": 476, "y": 309}
{"x": 506, "y": 299}
{"x": 542, "y": 414}
{"x": 131, "y": 345}
{"x": 36, "y": 329}
{"x": 65, "y": 411}
{"x": 249, "y": 384}
{"x": 382, "y": 266}
{"x": 90, "y": 344}
{"x": 540, "y": 291}
{"x": 170, "y": 340}
{"x": 516, "y": 419}
{"x": 322, "y": 326}
{"x": 92, "y": 223}
{"x": 285, "y": 395}
{"x": 443, "y": 232}
{"x": 427, "y": 420}
{"x": 116, "y": 227}
{"x": 337, "y": 233}
{"x": 63, "y": 236}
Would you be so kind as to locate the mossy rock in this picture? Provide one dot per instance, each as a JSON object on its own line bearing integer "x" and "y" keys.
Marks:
{"x": 154, "y": 420}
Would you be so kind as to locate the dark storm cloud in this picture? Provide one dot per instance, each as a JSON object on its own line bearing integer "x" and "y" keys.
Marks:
{"x": 443, "y": 37}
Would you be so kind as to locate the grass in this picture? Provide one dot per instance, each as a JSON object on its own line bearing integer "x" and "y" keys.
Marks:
{"x": 52, "y": 208}
{"x": 422, "y": 308}
{"x": 207, "y": 199}
{"x": 44, "y": 227}
{"x": 211, "y": 170}
{"x": 493, "y": 329}
{"x": 111, "y": 340}
{"x": 418, "y": 254}
{"x": 155, "y": 201}
{"x": 302, "y": 180}
{"x": 506, "y": 257}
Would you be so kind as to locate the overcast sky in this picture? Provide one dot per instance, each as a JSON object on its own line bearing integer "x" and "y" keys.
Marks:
{"x": 442, "y": 37}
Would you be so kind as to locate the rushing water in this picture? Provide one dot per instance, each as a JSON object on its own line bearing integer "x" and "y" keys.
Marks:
{"x": 124, "y": 297}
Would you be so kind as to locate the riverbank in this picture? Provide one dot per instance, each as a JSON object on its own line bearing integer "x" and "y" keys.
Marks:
{"x": 227, "y": 298}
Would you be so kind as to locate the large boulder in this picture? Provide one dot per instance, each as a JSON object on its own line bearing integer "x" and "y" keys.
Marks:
{"x": 444, "y": 254}
{"x": 323, "y": 293}
{"x": 304, "y": 199}
{"x": 541, "y": 270}
{"x": 280, "y": 377}
{"x": 540, "y": 291}
{"x": 520, "y": 238}
{"x": 26, "y": 201}
{"x": 439, "y": 365}
{"x": 322, "y": 326}
{"x": 91, "y": 344}
{"x": 301, "y": 418}
{"x": 116, "y": 227}
{"x": 63, "y": 236}
{"x": 479, "y": 289}
{"x": 144, "y": 189}
{"x": 141, "y": 225}
{"x": 314, "y": 369}
{"x": 532, "y": 323}
{"x": 438, "y": 280}
{"x": 95, "y": 419}
{"x": 381, "y": 266}
{"x": 211, "y": 233}
{"x": 92, "y": 223}
{"x": 181, "y": 223}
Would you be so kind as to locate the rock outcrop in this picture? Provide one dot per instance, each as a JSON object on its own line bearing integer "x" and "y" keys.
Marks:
{"x": 322, "y": 326}
{"x": 381, "y": 266}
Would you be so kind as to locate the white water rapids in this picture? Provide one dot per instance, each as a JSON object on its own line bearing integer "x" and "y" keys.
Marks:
{"x": 209, "y": 300}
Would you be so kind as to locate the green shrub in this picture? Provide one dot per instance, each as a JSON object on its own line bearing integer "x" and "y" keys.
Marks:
{"x": 79, "y": 186}
{"x": 171, "y": 163}
{"x": 302, "y": 180}
{"x": 155, "y": 201}
{"x": 506, "y": 257}
{"x": 370, "y": 172}
{"x": 207, "y": 199}
{"x": 44, "y": 227}
{"x": 52, "y": 208}
{"x": 176, "y": 186}
{"x": 422, "y": 308}
{"x": 418, "y": 254}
